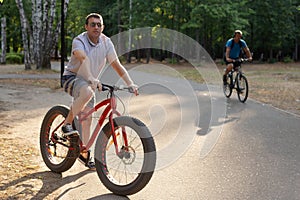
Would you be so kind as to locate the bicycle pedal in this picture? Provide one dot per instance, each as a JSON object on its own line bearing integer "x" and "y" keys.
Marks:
{"x": 75, "y": 134}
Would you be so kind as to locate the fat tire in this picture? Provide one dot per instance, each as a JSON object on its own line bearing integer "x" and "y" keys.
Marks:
{"x": 149, "y": 161}
{"x": 243, "y": 98}
{"x": 72, "y": 155}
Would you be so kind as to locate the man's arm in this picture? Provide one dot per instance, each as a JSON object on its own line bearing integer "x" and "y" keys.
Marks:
{"x": 227, "y": 54}
{"x": 248, "y": 53}
{"x": 84, "y": 69}
{"x": 122, "y": 72}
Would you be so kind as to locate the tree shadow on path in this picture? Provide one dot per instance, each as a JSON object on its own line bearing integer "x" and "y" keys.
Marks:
{"x": 51, "y": 182}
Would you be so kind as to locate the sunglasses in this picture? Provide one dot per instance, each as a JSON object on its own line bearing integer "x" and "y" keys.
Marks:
{"x": 93, "y": 24}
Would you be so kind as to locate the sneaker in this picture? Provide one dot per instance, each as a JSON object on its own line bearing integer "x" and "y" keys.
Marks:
{"x": 68, "y": 130}
{"x": 91, "y": 165}
{"x": 225, "y": 79}
{"x": 87, "y": 161}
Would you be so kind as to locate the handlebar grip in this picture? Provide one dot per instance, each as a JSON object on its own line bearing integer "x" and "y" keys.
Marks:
{"x": 131, "y": 90}
{"x": 106, "y": 87}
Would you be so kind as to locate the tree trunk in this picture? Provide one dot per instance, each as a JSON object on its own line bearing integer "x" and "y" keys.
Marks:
{"x": 24, "y": 24}
{"x": 44, "y": 37}
{"x": 3, "y": 41}
{"x": 271, "y": 54}
{"x": 58, "y": 28}
{"x": 296, "y": 50}
{"x": 37, "y": 31}
{"x": 130, "y": 35}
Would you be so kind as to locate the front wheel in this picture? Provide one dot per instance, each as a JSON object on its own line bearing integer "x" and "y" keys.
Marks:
{"x": 59, "y": 153}
{"x": 227, "y": 88}
{"x": 242, "y": 88}
{"x": 131, "y": 169}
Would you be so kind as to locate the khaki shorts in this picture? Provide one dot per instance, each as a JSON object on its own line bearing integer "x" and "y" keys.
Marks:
{"x": 72, "y": 85}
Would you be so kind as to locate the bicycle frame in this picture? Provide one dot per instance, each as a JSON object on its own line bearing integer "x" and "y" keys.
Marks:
{"x": 110, "y": 110}
{"x": 233, "y": 80}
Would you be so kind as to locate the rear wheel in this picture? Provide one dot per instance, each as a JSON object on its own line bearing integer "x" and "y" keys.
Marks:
{"x": 59, "y": 153}
{"x": 242, "y": 88}
{"x": 131, "y": 170}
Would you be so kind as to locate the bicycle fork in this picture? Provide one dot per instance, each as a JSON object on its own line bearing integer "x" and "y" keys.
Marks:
{"x": 124, "y": 148}
{"x": 122, "y": 152}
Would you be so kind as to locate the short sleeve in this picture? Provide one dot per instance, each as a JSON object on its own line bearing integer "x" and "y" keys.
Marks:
{"x": 228, "y": 43}
{"x": 77, "y": 44}
{"x": 244, "y": 44}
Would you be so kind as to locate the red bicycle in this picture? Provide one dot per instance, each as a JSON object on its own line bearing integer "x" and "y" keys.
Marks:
{"x": 125, "y": 152}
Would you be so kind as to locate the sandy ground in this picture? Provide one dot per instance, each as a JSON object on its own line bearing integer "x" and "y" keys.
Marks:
{"x": 21, "y": 166}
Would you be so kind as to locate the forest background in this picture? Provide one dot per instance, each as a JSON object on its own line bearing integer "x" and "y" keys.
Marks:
{"x": 32, "y": 29}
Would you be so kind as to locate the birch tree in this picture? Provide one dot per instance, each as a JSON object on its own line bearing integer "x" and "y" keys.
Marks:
{"x": 42, "y": 34}
{"x": 25, "y": 29}
{"x": 3, "y": 40}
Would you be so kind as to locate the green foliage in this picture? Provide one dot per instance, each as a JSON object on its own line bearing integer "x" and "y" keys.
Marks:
{"x": 14, "y": 58}
{"x": 268, "y": 26}
{"x": 272, "y": 60}
{"x": 274, "y": 25}
{"x": 13, "y": 31}
{"x": 287, "y": 59}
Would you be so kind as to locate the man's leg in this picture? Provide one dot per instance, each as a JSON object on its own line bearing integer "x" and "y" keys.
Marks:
{"x": 228, "y": 69}
{"x": 86, "y": 126}
{"x": 84, "y": 95}
{"x": 85, "y": 136}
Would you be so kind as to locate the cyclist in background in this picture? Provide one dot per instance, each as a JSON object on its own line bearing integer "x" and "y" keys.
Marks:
{"x": 90, "y": 52}
{"x": 234, "y": 46}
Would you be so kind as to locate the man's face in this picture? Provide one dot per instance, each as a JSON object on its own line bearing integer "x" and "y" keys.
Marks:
{"x": 94, "y": 27}
{"x": 238, "y": 36}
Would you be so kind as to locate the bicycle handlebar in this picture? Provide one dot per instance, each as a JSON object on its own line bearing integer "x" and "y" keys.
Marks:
{"x": 242, "y": 60}
{"x": 106, "y": 87}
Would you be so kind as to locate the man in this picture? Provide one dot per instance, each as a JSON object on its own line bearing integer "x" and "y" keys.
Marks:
{"x": 90, "y": 52}
{"x": 233, "y": 49}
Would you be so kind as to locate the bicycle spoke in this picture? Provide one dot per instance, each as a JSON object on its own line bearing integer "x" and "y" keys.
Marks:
{"x": 55, "y": 148}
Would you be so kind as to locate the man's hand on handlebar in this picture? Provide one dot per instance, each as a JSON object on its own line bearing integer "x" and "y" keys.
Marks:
{"x": 95, "y": 84}
{"x": 246, "y": 59}
{"x": 240, "y": 60}
{"x": 134, "y": 89}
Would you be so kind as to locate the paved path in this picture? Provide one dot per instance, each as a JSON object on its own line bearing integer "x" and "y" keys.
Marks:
{"x": 29, "y": 76}
{"x": 257, "y": 155}
{"x": 54, "y": 66}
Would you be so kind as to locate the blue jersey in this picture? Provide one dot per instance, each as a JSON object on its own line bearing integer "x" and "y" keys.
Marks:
{"x": 236, "y": 49}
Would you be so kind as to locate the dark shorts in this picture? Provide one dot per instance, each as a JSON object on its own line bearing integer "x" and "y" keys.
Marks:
{"x": 235, "y": 64}
{"x": 68, "y": 83}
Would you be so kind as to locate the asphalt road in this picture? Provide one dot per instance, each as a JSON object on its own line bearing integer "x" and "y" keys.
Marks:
{"x": 209, "y": 147}
{"x": 230, "y": 150}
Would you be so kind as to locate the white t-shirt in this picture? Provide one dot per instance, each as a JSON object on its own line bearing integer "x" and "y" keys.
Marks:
{"x": 98, "y": 54}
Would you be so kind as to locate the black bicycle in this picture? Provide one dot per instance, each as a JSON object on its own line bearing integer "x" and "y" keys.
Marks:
{"x": 237, "y": 81}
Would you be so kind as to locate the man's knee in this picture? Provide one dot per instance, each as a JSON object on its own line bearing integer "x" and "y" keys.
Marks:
{"x": 229, "y": 67}
{"x": 86, "y": 93}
